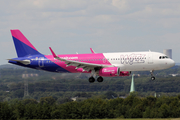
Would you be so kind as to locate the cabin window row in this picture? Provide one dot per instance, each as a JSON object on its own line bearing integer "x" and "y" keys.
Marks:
{"x": 101, "y": 59}
{"x": 78, "y": 60}
{"x": 125, "y": 58}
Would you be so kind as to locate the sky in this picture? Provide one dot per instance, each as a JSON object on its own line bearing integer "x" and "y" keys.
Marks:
{"x": 70, "y": 26}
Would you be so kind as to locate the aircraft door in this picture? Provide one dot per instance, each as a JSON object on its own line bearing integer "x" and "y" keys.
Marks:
{"x": 150, "y": 58}
{"x": 41, "y": 62}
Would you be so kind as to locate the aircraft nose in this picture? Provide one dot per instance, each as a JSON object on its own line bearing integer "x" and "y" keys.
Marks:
{"x": 171, "y": 63}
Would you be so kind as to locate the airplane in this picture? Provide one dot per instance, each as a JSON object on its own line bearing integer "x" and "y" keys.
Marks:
{"x": 99, "y": 65}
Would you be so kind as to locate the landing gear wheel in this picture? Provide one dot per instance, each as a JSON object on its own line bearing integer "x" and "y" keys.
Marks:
{"x": 91, "y": 79}
{"x": 100, "y": 79}
{"x": 152, "y": 78}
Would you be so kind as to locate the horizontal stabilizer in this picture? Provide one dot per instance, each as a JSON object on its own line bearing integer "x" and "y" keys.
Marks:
{"x": 25, "y": 62}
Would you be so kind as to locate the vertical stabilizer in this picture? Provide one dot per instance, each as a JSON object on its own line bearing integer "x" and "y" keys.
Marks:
{"x": 22, "y": 44}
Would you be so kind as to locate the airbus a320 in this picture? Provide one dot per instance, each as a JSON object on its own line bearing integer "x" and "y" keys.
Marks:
{"x": 99, "y": 65}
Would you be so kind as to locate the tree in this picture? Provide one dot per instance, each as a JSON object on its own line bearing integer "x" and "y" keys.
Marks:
{"x": 29, "y": 101}
{"x": 19, "y": 110}
{"x": 164, "y": 111}
{"x": 110, "y": 94}
{"x": 49, "y": 100}
{"x": 30, "y": 110}
{"x": 5, "y": 111}
{"x": 19, "y": 93}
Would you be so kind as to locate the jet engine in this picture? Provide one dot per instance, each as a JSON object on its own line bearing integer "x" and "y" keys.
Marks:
{"x": 112, "y": 71}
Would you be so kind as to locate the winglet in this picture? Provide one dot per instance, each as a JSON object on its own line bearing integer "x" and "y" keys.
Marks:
{"x": 92, "y": 50}
{"x": 54, "y": 55}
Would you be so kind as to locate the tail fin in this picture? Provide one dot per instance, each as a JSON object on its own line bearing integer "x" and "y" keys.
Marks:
{"x": 22, "y": 45}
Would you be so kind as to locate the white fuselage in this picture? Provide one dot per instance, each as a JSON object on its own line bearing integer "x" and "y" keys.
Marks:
{"x": 139, "y": 61}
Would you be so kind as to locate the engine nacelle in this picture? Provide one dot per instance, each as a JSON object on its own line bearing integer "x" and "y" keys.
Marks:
{"x": 109, "y": 71}
{"x": 112, "y": 71}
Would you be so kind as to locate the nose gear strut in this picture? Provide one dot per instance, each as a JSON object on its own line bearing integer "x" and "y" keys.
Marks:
{"x": 152, "y": 76}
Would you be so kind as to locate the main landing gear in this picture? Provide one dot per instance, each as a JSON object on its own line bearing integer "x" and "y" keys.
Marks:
{"x": 92, "y": 79}
{"x": 100, "y": 79}
{"x": 152, "y": 76}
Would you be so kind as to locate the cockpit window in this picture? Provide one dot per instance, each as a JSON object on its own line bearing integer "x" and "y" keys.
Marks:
{"x": 163, "y": 57}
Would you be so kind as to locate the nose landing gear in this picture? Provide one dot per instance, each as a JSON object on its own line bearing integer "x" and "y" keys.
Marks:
{"x": 152, "y": 76}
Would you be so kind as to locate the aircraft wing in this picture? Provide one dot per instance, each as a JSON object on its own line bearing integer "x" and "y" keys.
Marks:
{"x": 77, "y": 64}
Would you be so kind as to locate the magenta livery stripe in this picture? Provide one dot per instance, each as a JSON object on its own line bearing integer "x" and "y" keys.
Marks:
{"x": 87, "y": 58}
{"x": 18, "y": 35}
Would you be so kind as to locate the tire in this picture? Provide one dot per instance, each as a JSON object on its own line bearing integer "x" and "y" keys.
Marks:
{"x": 100, "y": 79}
{"x": 152, "y": 78}
{"x": 91, "y": 79}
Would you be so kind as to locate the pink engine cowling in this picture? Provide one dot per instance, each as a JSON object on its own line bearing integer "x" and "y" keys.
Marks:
{"x": 112, "y": 71}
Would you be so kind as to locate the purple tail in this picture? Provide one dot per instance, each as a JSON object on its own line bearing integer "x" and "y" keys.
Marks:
{"x": 22, "y": 44}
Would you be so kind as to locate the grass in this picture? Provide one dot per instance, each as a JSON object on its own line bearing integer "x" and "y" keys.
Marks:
{"x": 121, "y": 119}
